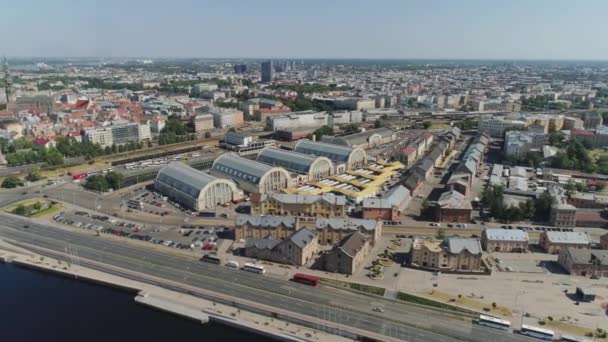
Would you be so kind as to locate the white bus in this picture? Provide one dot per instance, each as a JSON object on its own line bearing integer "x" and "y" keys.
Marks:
{"x": 254, "y": 268}
{"x": 567, "y": 338}
{"x": 493, "y": 322}
{"x": 543, "y": 334}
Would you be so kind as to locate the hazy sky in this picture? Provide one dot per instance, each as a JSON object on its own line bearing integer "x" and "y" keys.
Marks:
{"x": 512, "y": 29}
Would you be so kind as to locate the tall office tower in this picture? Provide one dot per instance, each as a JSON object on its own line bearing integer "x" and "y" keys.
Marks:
{"x": 240, "y": 69}
{"x": 267, "y": 72}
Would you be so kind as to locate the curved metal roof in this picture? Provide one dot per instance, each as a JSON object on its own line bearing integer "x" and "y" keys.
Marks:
{"x": 236, "y": 167}
{"x": 292, "y": 161}
{"x": 184, "y": 178}
{"x": 334, "y": 152}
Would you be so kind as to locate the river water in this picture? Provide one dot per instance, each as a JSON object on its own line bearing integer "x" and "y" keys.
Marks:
{"x": 37, "y": 306}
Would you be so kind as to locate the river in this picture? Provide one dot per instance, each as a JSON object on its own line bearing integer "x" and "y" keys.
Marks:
{"x": 37, "y": 306}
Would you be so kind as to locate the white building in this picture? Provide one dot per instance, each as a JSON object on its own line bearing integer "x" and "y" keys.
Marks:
{"x": 304, "y": 119}
{"x": 496, "y": 127}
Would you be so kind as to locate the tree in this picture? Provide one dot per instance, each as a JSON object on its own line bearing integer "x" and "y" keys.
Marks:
{"x": 207, "y": 135}
{"x": 20, "y": 210}
{"x": 232, "y": 129}
{"x": 542, "y": 206}
{"x": 114, "y": 180}
{"x": 426, "y": 124}
{"x": 325, "y": 130}
{"x": 34, "y": 175}
{"x": 378, "y": 123}
{"x": 53, "y": 157}
{"x": 37, "y": 206}
{"x": 97, "y": 183}
{"x": 11, "y": 182}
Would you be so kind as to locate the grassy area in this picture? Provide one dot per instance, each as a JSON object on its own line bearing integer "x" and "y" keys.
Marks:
{"x": 9, "y": 208}
{"x": 406, "y": 297}
{"x": 472, "y": 303}
{"x": 48, "y": 211}
{"x": 569, "y": 328}
{"x": 439, "y": 126}
{"x": 378, "y": 291}
{"x": 48, "y": 208}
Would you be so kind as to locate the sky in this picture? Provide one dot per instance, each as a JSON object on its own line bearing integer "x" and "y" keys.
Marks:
{"x": 395, "y": 29}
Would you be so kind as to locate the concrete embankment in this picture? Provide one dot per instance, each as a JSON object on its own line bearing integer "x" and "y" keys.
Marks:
{"x": 171, "y": 307}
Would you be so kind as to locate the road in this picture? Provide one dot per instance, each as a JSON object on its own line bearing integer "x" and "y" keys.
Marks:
{"x": 400, "y": 320}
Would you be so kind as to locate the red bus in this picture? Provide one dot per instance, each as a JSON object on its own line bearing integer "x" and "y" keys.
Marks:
{"x": 79, "y": 176}
{"x": 306, "y": 279}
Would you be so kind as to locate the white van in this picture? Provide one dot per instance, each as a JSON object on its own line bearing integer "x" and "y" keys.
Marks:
{"x": 233, "y": 264}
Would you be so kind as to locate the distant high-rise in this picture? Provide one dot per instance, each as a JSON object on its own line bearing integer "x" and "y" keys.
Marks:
{"x": 240, "y": 69}
{"x": 7, "y": 81}
{"x": 267, "y": 72}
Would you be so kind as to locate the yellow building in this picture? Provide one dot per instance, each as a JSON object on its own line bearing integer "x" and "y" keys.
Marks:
{"x": 325, "y": 205}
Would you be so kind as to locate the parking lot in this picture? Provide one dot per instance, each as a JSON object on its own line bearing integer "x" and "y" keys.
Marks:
{"x": 146, "y": 200}
{"x": 187, "y": 237}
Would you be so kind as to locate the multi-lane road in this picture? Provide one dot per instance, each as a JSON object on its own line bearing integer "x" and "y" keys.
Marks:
{"x": 399, "y": 320}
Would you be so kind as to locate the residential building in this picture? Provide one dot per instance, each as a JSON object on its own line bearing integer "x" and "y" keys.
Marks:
{"x": 325, "y": 205}
{"x": 592, "y": 120}
{"x": 333, "y": 229}
{"x": 496, "y": 127}
{"x": 227, "y": 117}
{"x": 518, "y": 143}
{"x": 348, "y": 255}
{"x": 203, "y": 122}
{"x": 451, "y": 254}
{"x": 258, "y": 227}
{"x": 504, "y": 240}
{"x": 388, "y": 207}
{"x": 102, "y": 136}
{"x": 453, "y": 206}
{"x": 584, "y": 262}
{"x": 553, "y": 242}
{"x": 297, "y": 249}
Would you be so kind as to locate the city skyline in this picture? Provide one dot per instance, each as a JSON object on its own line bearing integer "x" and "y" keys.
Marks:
{"x": 468, "y": 30}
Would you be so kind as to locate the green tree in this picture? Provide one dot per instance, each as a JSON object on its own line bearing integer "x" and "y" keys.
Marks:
{"x": 207, "y": 135}
{"x": 20, "y": 210}
{"x": 37, "y": 206}
{"x": 97, "y": 183}
{"x": 426, "y": 125}
{"x": 34, "y": 175}
{"x": 378, "y": 123}
{"x": 114, "y": 180}
{"x": 11, "y": 182}
{"x": 324, "y": 130}
{"x": 53, "y": 157}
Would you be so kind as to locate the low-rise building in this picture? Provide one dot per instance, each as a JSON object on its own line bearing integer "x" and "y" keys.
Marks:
{"x": 333, "y": 229}
{"x": 553, "y": 242}
{"x": 203, "y": 122}
{"x": 518, "y": 143}
{"x": 297, "y": 249}
{"x": 257, "y": 227}
{"x": 504, "y": 240}
{"x": 451, "y": 254}
{"x": 388, "y": 207}
{"x": 325, "y": 205}
{"x": 453, "y": 206}
{"x": 348, "y": 255}
{"x": 584, "y": 262}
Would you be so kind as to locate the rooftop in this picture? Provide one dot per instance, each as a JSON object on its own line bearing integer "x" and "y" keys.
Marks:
{"x": 496, "y": 234}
